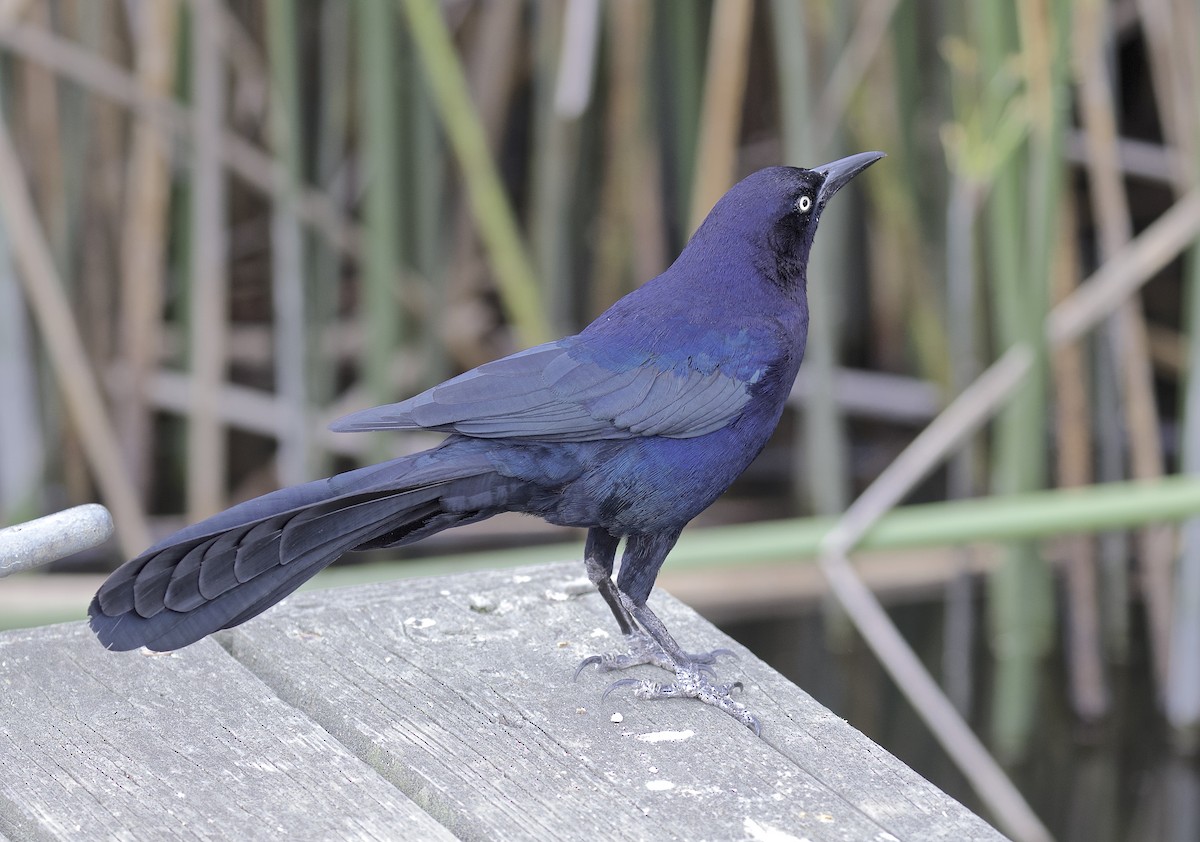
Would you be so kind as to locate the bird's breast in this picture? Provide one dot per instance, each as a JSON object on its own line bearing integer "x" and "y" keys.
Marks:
{"x": 656, "y": 484}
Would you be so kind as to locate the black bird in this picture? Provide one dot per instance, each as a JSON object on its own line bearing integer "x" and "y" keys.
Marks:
{"x": 630, "y": 428}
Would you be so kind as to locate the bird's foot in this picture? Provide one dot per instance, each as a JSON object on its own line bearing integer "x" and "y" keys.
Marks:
{"x": 643, "y": 649}
{"x": 693, "y": 684}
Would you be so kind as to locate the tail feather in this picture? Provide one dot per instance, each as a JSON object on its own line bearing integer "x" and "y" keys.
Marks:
{"x": 117, "y": 595}
{"x": 183, "y": 594}
{"x": 223, "y": 571}
{"x": 150, "y": 591}
{"x": 173, "y": 629}
{"x": 260, "y": 550}
{"x": 218, "y": 563}
{"x": 326, "y": 524}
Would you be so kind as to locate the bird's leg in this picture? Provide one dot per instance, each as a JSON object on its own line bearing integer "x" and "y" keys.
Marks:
{"x": 598, "y": 562}
{"x": 692, "y": 679}
{"x": 657, "y": 630}
{"x": 650, "y": 642}
{"x": 645, "y": 647}
{"x": 599, "y": 552}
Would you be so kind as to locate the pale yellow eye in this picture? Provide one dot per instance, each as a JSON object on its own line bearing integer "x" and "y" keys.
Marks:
{"x": 804, "y": 204}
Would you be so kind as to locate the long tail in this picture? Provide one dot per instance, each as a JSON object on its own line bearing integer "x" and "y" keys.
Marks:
{"x": 224, "y": 570}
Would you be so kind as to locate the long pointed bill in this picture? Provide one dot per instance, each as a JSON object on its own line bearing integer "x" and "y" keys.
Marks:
{"x": 838, "y": 173}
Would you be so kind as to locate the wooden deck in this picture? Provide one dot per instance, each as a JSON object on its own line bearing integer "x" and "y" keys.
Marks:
{"x": 429, "y": 709}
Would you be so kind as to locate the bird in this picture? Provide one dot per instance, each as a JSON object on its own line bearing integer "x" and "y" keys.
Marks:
{"x": 629, "y": 429}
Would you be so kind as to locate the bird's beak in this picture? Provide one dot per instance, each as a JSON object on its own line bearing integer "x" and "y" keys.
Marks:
{"x": 838, "y": 173}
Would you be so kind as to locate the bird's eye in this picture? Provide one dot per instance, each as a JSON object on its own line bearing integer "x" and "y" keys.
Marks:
{"x": 803, "y": 204}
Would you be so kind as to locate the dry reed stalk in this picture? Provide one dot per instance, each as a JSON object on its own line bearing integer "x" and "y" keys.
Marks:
{"x": 490, "y": 72}
{"x": 1110, "y": 207}
{"x": 632, "y": 242}
{"x": 721, "y": 110}
{"x": 292, "y": 457}
{"x": 244, "y": 159}
{"x": 96, "y": 142}
{"x": 557, "y": 135}
{"x": 262, "y": 412}
{"x": 1089, "y": 694}
{"x": 515, "y": 279}
{"x": 643, "y": 176}
{"x": 11, "y": 10}
{"x": 144, "y": 238}
{"x": 864, "y": 43}
{"x": 69, "y": 360}
{"x": 1171, "y": 30}
{"x": 206, "y": 447}
{"x": 493, "y": 63}
{"x": 38, "y": 132}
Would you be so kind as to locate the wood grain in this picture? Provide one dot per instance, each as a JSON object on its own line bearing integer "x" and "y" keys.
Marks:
{"x": 431, "y": 708}
{"x": 103, "y": 745}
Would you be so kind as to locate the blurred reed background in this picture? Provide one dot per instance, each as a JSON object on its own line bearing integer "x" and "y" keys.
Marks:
{"x": 225, "y": 222}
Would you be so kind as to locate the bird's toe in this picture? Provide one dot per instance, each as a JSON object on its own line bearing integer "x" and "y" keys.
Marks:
{"x": 692, "y": 684}
{"x": 642, "y": 650}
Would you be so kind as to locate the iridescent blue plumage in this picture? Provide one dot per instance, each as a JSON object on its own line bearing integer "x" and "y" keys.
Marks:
{"x": 630, "y": 429}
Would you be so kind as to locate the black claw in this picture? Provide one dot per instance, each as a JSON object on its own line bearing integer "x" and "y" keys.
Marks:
{"x": 624, "y": 682}
{"x": 706, "y": 659}
{"x": 587, "y": 662}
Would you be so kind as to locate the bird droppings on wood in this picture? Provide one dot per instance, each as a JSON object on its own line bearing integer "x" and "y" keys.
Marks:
{"x": 304, "y": 634}
{"x": 666, "y": 736}
{"x": 481, "y": 604}
{"x": 759, "y": 832}
{"x": 579, "y": 586}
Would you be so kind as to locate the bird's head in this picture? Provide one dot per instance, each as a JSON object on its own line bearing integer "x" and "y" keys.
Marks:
{"x": 775, "y": 211}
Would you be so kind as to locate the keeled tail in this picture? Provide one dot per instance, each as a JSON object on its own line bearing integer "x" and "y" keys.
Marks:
{"x": 224, "y": 570}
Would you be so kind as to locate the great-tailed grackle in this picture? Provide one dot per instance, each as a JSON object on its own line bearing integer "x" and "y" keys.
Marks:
{"x": 630, "y": 428}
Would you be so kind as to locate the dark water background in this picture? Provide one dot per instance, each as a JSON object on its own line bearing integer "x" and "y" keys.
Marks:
{"x": 1117, "y": 781}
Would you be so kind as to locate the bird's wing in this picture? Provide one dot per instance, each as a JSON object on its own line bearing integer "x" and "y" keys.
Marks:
{"x": 554, "y": 392}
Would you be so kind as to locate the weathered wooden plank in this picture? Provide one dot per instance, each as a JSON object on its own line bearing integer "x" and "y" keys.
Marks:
{"x": 459, "y": 690}
{"x": 101, "y": 745}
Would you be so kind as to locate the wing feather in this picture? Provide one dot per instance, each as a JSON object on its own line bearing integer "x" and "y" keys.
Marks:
{"x": 557, "y": 392}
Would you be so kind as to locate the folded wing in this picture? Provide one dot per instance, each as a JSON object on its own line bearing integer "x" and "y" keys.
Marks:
{"x": 554, "y": 392}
